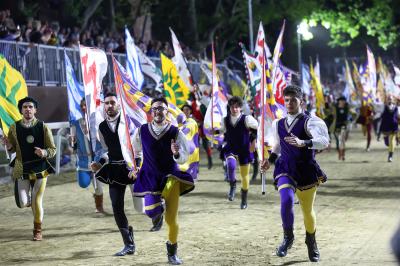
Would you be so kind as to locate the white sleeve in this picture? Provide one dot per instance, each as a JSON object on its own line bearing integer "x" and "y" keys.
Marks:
{"x": 137, "y": 143}
{"x": 319, "y": 132}
{"x": 276, "y": 146}
{"x": 183, "y": 148}
{"x": 251, "y": 122}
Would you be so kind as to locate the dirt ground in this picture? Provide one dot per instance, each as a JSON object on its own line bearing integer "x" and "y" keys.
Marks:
{"x": 357, "y": 212}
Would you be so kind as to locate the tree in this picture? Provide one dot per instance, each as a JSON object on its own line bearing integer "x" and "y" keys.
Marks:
{"x": 347, "y": 20}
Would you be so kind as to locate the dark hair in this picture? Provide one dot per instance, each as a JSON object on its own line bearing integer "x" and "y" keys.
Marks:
{"x": 341, "y": 98}
{"x": 110, "y": 94}
{"x": 26, "y": 100}
{"x": 188, "y": 106}
{"x": 235, "y": 100}
{"x": 159, "y": 99}
{"x": 293, "y": 90}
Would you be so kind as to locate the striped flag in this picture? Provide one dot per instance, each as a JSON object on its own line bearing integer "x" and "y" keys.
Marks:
{"x": 136, "y": 107}
{"x": 132, "y": 61}
{"x": 75, "y": 91}
{"x": 277, "y": 54}
{"x": 216, "y": 110}
{"x": 12, "y": 89}
{"x": 350, "y": 91}
{"x": 175, "y": 90}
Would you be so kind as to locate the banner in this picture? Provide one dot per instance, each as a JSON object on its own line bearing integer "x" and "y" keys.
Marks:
{"x": 12, "y": 89}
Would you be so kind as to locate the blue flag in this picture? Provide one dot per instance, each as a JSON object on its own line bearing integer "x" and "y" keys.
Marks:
{"x": 132, "y": 61}
{"x": 75, "y": 91}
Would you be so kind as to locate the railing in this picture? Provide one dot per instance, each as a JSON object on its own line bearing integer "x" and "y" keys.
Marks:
{"x": 43, "y": 65}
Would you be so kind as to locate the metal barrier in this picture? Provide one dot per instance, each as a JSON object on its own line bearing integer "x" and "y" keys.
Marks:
{"x": 61, "y": 127}
{"x": 44, "y": 65}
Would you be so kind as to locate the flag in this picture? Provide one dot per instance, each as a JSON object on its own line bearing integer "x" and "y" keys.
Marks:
{"x": 149, "y": 69}
{"x": 306, "y": 79}
{"x": 371, "y": 73}
{"x": 317, "y": 88}
{"x": 136, "y": 109}
{"x": 357, "y": 82}
{"x": 349, "y": 92}
{"x": 261, "y": 44}
{"x": 277, "y": 54}
{"x": 253, "y": 71}
{"x": 180, "y": 62}
{"x": 237, "y": 87}
{"x": 206, "y": 67}
{"x": 94, "y": 68}
{"x": 12, "y": 89}
{"x": 75, "y": 91}
{"x": 132, "y": 61}
{"x": 364, "y": 81}
{"x": 191, "y": 131}
{"x": 138, "y": 103}
{"x": 175, "y": 90}
{"x": 216, "y": 110}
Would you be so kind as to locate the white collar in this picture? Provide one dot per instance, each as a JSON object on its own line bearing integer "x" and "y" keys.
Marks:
{"x": 290, "y": 116}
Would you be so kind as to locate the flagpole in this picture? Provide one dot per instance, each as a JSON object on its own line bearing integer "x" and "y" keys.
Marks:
{"x": 212, "y": 96}
{"x": 86, "y": 115}
{"x": 119, "y": 92}
{"x": 262, "y": 120}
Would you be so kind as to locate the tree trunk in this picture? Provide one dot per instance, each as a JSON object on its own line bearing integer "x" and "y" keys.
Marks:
{"x": 193, "y": 23}
{"x": 112, "y": 16}
{"x": 94, "y": 4}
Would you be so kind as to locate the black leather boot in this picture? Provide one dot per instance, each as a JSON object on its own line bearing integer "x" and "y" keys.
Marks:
{"x": 232, "y": 191}
{"x": 127, "y": 236}
{"x": 286, "y": 244}
{"x": 157, "y": 222}
{"x": 243, "y": 204}
{"x": 172, "y": 256}
{"x": 313, "y": 252}
{"x": 210, "y": 163}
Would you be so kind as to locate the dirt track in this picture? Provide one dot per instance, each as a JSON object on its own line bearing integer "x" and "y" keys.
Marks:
{"x": 358, "y": 210}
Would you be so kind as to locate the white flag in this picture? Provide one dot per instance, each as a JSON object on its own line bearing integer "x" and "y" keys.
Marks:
{"x": 94, "y": 68}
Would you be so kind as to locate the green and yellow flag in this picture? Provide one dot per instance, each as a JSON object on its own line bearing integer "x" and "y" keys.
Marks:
{"x": 12, "y": 89}
{"x": 175, "y": 90}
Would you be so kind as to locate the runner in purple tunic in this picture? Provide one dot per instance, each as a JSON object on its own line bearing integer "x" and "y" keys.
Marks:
{"x": 162, "y": 146}
{"x": 389, "y": 125}
{"x": 296, "y": 137}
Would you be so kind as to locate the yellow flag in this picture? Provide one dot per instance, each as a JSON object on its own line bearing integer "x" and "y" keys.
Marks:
{"x": 319, "y": 94}
{"x": 12, "y": 89}
{"x": 175, "y": 90}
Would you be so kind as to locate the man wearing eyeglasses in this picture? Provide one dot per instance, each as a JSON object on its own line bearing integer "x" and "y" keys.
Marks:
{"x": 163, "y": 147}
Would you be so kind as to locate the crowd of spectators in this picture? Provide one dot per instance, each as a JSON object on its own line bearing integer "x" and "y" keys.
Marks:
{"x": 52, "y": 33}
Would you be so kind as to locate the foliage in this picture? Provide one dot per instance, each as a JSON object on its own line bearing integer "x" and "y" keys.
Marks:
{"x": 346, "y": 20}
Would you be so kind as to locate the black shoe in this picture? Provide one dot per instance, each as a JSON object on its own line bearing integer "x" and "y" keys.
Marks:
{"x": 313, "y": 252}
{"x": 127, "y": 237}
{"x": 157, "y": 222}
{"x": 171, "y": 253}
{"x": 286, "y": 244}
{"x": 243, "y": 203}
{"x": 232, "y": 191}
